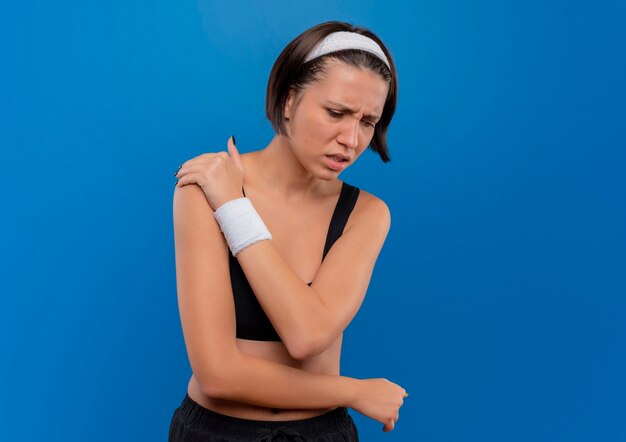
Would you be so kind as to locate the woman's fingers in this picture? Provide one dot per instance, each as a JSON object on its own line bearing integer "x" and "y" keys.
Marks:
{"x": 186, "y": 179}
{"x": 199, "y": 160}
{"x": 191, "y": 166}
{"x": 389, "y": 426}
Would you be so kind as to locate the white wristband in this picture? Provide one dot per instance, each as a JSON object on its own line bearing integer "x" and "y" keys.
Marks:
{"x": 241, "y": 224}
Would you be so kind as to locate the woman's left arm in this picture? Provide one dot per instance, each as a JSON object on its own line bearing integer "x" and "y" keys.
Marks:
{"x": 309, "y": 319}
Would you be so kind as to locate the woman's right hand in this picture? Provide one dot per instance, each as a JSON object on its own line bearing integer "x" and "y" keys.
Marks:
{"x": 380, "y": 400}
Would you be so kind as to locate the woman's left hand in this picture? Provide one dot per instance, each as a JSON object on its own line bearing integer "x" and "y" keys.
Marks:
{"x": 219, "y": 174}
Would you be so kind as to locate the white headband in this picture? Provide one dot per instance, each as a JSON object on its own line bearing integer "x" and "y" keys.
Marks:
{"x": 346, "y": 40}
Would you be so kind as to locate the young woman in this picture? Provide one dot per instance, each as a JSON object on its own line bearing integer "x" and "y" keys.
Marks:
{"x": 263, "y": 313}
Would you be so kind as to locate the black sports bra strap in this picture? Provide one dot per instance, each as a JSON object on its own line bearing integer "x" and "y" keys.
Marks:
{"x": 347, "y": 201}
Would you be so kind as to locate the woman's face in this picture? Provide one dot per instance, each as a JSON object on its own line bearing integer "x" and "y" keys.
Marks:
{"x": 335, "y": 116}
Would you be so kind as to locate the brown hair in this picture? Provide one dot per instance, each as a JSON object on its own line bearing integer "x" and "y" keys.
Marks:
{"x": 291, "y": 72}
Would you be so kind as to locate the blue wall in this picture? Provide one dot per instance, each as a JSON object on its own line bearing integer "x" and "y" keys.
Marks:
{"x": 498, "y": 299}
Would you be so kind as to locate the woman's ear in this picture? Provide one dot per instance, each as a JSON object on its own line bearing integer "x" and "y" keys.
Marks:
{"x": 289, "y": 104}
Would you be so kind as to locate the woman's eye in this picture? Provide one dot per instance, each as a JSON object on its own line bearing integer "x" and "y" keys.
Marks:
{"x": 334, "y": 114}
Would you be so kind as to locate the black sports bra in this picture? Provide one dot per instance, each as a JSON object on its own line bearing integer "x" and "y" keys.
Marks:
{"x": 252, "y": 322}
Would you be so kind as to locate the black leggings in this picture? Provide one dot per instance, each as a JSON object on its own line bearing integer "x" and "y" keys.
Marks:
{"x": 192, "y": 422}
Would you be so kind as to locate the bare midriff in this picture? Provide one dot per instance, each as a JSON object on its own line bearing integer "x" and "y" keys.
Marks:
{"x": 326, "y": 362}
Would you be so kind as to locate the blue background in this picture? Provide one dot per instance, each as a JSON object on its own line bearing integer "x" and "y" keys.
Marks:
{"x": 498, "y": 300}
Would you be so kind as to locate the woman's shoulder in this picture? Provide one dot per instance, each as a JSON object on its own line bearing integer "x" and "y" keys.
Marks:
{"x": 368, "y": 199}
{"x": 369, "y": 207}
{"x": 192, "y": 213}
{"x": 190, "y": 197}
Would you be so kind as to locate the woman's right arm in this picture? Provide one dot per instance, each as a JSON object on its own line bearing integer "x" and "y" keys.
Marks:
{"x": 207, "y": 312}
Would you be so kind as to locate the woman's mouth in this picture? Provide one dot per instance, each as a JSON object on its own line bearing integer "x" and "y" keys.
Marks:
{"x": 336, "y": 163}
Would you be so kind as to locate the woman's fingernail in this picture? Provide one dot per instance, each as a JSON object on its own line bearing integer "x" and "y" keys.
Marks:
{"x": 233, "y": 137}
{"x": 178, "y": 169}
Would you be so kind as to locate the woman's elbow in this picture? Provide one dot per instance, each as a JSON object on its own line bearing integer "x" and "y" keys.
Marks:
{"x": 307, "y": 346}
{"x": 216, "y": 381}
{"x": 215, "y": 386}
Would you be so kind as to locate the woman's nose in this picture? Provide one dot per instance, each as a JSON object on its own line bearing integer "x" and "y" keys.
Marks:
{"x": 350, "y": 134}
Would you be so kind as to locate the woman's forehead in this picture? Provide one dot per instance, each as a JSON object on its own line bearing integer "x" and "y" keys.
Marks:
{"x": 339, "y": 72}
{"x": 352, "y": 87}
